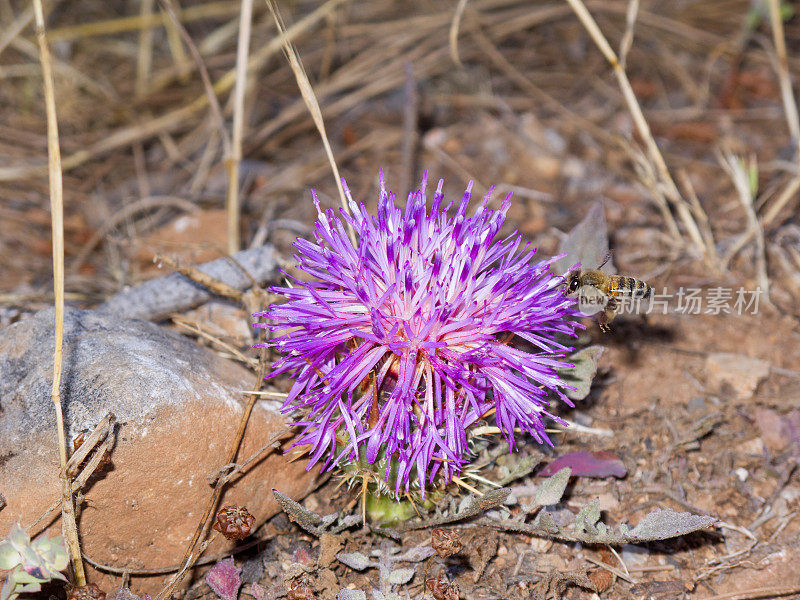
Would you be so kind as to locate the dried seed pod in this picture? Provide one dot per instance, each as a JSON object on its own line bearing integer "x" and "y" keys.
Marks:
{"x": 299, "y": 590}
{"x": 86, "y": 592}
{"x": 442, "y": 589}
{"x": 603, "y": 579}
{"x": 234, "y": 522}
{"x": 445, "y": 543}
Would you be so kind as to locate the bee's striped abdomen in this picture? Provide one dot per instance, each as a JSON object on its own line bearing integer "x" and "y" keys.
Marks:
{"x": 629, "y": 286}
{"x": 644, "y": 290}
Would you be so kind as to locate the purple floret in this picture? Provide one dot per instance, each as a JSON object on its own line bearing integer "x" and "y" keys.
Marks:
{"x": 401, "y": 343}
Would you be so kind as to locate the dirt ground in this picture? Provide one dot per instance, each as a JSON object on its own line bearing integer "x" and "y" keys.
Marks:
{"x": 533, "y": 108}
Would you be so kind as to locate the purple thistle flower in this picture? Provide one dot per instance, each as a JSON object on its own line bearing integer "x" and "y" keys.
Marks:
{"x": 401, "y": 344}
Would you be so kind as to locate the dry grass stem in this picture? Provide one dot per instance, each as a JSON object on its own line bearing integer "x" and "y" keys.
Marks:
{"x": 627, "y": 39}
{"x": 739, "y": 172}
{"x": 144, "y": 58}
{"x": 310, "y": 100}
{"x": 11, "y": 32}
{"x": 642, "y": 127}
{"x": 235, "y": 157}
{"x": 209, "y": 10}
{"x": 183, "y": 66}
{"x": 712, "y": 259}
{"x": 770, "y": 592}
{"x": 213, "y": 285}
{"x": 787, "y": 94}
{"x": 172, "y": 120}
{"x": 454, "y": 27}
{"x": 68, "y": 520}
{"x": 211, "y": 96}
{"x": 195, "y": 328}
{"x": 788, "y": 193}
{"x": 619, "y": 573}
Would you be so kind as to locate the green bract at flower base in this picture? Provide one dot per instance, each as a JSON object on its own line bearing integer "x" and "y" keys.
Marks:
{"x": 32, "y": 563}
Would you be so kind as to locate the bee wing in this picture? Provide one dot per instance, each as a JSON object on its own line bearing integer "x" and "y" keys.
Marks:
{"x": 586, "y": 243}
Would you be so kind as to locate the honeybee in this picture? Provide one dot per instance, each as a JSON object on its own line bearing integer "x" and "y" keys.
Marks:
{"x": 610, "y": 289}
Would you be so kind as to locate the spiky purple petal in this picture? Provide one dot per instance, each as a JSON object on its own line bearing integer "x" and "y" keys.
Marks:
{"x": 420, "y": 312}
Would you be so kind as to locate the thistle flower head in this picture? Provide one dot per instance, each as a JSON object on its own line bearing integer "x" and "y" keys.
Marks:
{"x": 402, "y": 341}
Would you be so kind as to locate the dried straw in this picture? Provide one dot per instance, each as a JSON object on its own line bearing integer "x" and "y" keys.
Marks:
{"x": 68, "y": 520}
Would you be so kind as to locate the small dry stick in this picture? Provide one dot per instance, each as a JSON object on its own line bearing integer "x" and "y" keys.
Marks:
{"x": 104, "y": 431}
{"x": 235, "y": 158}
{"x": 311, "y": 103}
{"x": 215, "y": 286}
{"x": 183, "y": 66}
{"x": 68, "y": 521}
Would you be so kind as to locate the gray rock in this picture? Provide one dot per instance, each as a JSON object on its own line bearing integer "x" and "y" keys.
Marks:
{"x": 158, "y": 298}
{"x": 177, "y": 406}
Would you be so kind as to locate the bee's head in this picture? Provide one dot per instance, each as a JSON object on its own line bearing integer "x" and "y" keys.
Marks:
{"x": 573, "y": 282}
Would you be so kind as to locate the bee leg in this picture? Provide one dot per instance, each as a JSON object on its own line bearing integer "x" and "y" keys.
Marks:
{"x": 607, "y": 315}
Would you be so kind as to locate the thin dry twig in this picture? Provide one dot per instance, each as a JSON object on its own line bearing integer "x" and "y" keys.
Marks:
{"x": 171, "y": 569}
{"x": 10, "y": 32}
{"x": 102, "y": 433}
{"x": 194, "y": 327}
{"x": 788, "y": 193}
{"x": 214, "y": 285}
{"x": 232, "y": 207}
{"x": 311, "y": 103}
{"x": 68, "y": 520}
{"x": 618, "y": 572}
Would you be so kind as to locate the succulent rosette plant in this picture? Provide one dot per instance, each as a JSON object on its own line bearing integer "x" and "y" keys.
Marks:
{"x": 31, "y": 563}
{"x": 406, "y": 339}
